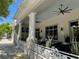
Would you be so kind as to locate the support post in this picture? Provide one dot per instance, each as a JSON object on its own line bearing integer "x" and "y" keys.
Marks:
{"x": 31, "y": 38}
{"x": 19, "y": 33}
{"x": 13, "y": 31}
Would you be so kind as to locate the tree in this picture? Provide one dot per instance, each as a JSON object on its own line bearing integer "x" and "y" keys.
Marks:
{"x": 4, "y": 4}
{"x": 5, "y": 28}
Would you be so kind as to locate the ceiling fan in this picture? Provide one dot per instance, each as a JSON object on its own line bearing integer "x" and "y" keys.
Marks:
{"x": 62, "y": 10}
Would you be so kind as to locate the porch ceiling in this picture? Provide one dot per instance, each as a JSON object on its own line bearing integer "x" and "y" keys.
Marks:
{"x": 34, "y": 5}
{"x": 45, "y": 5}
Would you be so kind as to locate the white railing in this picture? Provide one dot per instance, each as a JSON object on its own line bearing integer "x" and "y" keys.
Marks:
{"x": 41, "y": 52}
{"x": 22, "y": 44}
{"x": 65, "y": 55}
{"x": 19, "y": 43}
{"x": 15, "y": 38}
{"x": 45, "y": 53}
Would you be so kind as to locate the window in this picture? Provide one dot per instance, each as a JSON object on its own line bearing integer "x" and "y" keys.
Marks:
{"x": 22, "y": 29}
{"x": 52, "y": 31}
{"x": 74, "y": 23}
{"x": 37, "y": 33}
{"x": 24, "y": 34}
{"x": 27, "y": 30}
{"x": 75, "y": 30}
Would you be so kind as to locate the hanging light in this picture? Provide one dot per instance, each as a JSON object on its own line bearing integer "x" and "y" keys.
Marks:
{"x": 15, "y": 22}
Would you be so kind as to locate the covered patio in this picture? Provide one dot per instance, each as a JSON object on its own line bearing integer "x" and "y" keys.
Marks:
{"x": 26, "y": 21}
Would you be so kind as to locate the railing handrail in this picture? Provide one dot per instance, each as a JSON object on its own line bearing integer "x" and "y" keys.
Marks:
{"x": 61, "y": 52}
{"x": 44, "y": 47}
{"x": 69, "y": 54}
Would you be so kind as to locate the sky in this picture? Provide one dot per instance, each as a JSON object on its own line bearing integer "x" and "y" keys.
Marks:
{"x": 12, "y": 11}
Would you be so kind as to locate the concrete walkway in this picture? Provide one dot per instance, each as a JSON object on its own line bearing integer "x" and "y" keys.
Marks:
{"x": 6, "y": 41}
{"x": 8, "y": 50}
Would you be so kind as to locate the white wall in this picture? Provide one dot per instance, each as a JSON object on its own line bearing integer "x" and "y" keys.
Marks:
{"x": 48, "y": 18}
{"x": 61, "y": 21}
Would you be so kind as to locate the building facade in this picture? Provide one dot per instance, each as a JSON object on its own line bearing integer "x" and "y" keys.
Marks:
{"x": 62, "y": 25}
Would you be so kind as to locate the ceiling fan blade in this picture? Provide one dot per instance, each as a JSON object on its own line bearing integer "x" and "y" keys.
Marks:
{"x": 63, "y": 13}
{"x": 60, "y": 9}
{"x": 61, "y": 6}
{"x": 66, "y": 8}
{"x": 56, "y": 12}
{"x": 69, "y": 10}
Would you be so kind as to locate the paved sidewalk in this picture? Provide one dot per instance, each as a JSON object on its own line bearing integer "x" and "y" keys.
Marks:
{"x": 8, "y": 50}
{"x": 6, "y": 41}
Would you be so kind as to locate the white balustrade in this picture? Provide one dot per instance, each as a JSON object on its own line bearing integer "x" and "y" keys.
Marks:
{"x": 41, "y": 52}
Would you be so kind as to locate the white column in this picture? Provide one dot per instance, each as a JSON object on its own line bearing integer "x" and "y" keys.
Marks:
{"x": 12, "y": 36}
{"x": 32, "y": 25}
{"x": 19, "y": 32}
{"x": 13, "y": 30}
{"x": 31, "y": 37}
{"x": 18, "y": 35}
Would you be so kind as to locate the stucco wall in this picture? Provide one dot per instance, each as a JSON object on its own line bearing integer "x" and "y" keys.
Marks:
{"x": 61, "y": 21}
{"x": 48, "y": 18}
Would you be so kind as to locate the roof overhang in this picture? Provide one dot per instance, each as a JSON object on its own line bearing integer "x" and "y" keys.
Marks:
{"x": 31, "y": 6}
